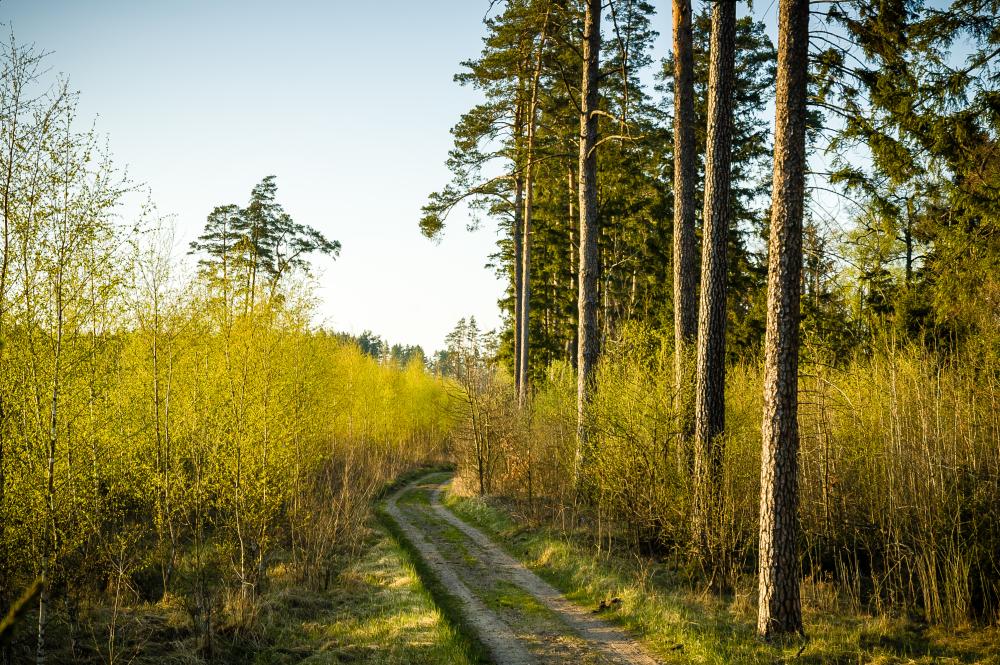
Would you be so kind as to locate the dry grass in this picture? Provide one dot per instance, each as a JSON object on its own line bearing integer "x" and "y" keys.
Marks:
{"x": 684, "y": 625}
{"x": 899, "y": 476}
{"x": 376, "y": 612}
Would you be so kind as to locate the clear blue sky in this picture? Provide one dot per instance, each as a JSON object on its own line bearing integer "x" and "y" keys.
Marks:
{"x": 348, "y": 103}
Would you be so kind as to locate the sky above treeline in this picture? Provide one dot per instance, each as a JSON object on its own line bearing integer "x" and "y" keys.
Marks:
{"x": 349, "y": 104}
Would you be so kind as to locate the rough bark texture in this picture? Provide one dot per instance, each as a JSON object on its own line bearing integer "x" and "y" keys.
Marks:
{"x": 780, "y": 609}
{"x": 574, "y": 251}
{"x": 685, "y": 297}
{"x": 710, "y": 383}
{"x": 588, "y": 343}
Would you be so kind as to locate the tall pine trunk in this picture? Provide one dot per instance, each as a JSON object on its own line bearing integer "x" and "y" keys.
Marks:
{"x": 529, "y": 190}
{"x": 516, "y": 231}
{"x": 574, "y": 251}
{"x": 711, "y": 359}
{"x": 588, "y": 344}
{"x": 779, "y": 605}
{"x": 685, "y": 297}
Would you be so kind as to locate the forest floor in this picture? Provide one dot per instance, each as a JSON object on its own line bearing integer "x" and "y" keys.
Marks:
{"x": 516, "y": 617}
{"x": 453, "y": 579}
{"x": 375, "y": 611}
{"x": 673, "y": 621}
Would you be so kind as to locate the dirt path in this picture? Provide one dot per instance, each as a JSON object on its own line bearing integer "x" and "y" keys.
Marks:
{"x": 518, "y": 616}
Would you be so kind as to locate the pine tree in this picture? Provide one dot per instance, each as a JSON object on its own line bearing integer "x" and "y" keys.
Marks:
{"x": 523, "y": 335}
{"x": 685, "y": 302}
{"x": 711, "y": 358}
{"x": 260, "y": 243}
{"x": 589, "y": 266}
{"x": 495, "y": 134}
{"x": 779, "y": 605}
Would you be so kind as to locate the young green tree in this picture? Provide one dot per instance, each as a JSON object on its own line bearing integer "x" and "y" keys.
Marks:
{"x": 69, "y": 290}
{"x": 23, "y": 122}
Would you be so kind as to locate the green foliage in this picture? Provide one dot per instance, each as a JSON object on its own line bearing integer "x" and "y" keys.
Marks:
{"x": 180, "y": 443}
{"x": 898, "y": 475}
{"x": 913, "y": 88}
{"x": 258, "y": 239}
{"x": 681, "y": 624}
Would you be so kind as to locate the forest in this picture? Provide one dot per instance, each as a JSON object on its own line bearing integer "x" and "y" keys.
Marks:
{"x": 681, "y": 270}
{"x": 745, "y": 398}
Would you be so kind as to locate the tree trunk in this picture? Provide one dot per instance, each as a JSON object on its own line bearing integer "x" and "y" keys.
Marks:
{"x": 574, "y": 252}
{"x": 588, "y": 343}
{"x": 13, "y": 138}
{"x": 780, "y": 609}
{"x": 50, "y": 534}
{"x": 710, "y": 382}
{"x": 685, "y": 297}
{"x": 516, "y": 239}
{"x": 532, "y": 124}
{"x": 908, "y": 241}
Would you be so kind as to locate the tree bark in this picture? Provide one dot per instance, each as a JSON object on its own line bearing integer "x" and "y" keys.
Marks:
{"x": 516, "y": 230}
{"x": 710, "y": 383}
{"x": 574, "y": 251}
{"x": 780, "y": 609}
{"x": 685, "y": 297}
{"x": 908, "y": 242}
{"x": 588, "y": 344}
{"x": 532, "y": 124}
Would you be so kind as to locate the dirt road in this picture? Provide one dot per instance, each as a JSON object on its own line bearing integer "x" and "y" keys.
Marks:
{"x": 518, "y": 617}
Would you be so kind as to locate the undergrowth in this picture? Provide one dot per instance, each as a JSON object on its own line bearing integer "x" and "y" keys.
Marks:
{"x": 682, "y": 624}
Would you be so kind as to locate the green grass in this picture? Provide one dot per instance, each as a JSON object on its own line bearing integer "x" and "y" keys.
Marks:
{"x": 414, "y": 497}
{"x": 450, "y": 606}
{"x": 507, "y": 596}
{"x": 378, "y": 613}
{"x": 684, "y": 626}
{"x": 408, "y": 477}
{"x": 375, "y": 612}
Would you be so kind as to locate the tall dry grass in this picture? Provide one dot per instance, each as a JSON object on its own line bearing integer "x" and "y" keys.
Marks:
{"x": 899, "y": 474}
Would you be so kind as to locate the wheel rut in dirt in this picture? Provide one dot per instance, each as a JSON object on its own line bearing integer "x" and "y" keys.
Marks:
{"x": 517, "y": 616}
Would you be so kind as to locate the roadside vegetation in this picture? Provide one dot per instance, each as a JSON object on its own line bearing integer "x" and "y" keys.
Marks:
{"x": 679, "y": 621}
{"x": 375, "y": 611}
{"x": 785, "y": 446}
{"x": 898, "y": 512}
{"x": 803, "y": 412}
{"x": 187, "y": 463}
